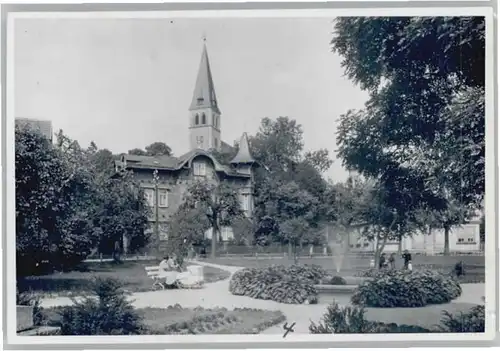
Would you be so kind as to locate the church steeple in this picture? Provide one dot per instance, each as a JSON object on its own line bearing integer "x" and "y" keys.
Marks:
{"x": 204, "y": 90}
{"x": 204, "y": 110}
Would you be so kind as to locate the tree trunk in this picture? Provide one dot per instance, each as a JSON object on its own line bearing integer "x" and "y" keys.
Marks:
{"x": 446, "y": 240}
{"x": 290, "y": 252}
{"x": 400, "y": 246}
{"x": 379, "y": 248}
{"x": 215, "y": 233}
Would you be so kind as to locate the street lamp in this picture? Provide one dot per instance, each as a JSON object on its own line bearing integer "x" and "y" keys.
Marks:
{"x": 156, "y": 180}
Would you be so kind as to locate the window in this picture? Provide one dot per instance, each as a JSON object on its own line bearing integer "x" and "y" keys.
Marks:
{"x": 199, "y": 141}
{"x": 149, "y": 195}
{"x": 215, "y": 143}
{"x": 199, "y": 169}
{"x": 197, "y": 119}
{"x": 245, "y": 202}
{"x": 466, "y": 234}
{"x": 203, "y": 119}
{"x": 163, "y": 198}
{"x": 226, "y": 233}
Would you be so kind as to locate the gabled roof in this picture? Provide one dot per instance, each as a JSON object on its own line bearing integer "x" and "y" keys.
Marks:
{"x": 243, "y": 155}
{"x": 170, "y": 163}
{"x": 204, "y": 90}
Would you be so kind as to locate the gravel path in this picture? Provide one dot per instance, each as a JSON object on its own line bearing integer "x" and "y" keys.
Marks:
{"x": 217, "y": 295}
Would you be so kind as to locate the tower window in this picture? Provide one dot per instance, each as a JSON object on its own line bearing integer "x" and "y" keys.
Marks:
{"x": 197, "y": 119}
{"x": 215, "y": 143}
{"x": 199, "y": 141}
{"x": 203, "y": 119}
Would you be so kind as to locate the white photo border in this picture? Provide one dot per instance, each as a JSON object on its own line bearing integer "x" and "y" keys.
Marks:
{"x": 272, "y": 341}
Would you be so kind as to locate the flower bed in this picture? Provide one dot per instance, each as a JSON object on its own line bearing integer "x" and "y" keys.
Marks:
{"x": 183, "y": 321}
{"x": 292, "y": 285}
{"x": 406, "y": 289}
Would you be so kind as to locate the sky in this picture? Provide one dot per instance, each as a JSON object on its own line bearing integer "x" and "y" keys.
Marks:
{"x": 126, "y": 83}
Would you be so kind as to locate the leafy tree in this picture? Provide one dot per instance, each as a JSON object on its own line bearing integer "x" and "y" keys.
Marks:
{"x": 219, "y": 203}
{"x": 103, "y": 160}
{"x": 293, "y": 231}
{"x": 158, "y": 149}
{"x": 53, "y": 204}
{"x": 187, "y": 228}
{"x": 412, "y": 132}
{"x": 291, "y": 206}
{"x": 137, "y": 152}
{"x": 278, "y": 148}
{"x": 347, "y": 203}
{"x": 388, "y": 216}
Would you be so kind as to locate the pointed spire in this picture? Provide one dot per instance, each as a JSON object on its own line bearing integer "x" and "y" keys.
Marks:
{"x": 243, "y": 155}
{"x": 204, "y": 90}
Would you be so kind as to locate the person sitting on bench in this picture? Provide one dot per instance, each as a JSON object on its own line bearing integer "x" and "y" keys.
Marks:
{"x": 169, "y": 269}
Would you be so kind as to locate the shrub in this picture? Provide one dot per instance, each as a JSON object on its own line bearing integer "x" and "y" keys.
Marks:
{"x": 369, "y": 273}
{"x": 351, "y": 320}
{"x": 406, "y": 289}
{"x": 107, "y": 313}
{"x": 293, "y": 285}
{"x": 469, "y": 322}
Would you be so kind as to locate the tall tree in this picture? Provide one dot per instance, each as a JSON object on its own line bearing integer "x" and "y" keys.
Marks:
{"x": 278, "y": 148}
{"x": 54, "y": 193}
{"x": 219, "y": 203}
{"x": 413, "y": 130}
{"x": 187, "y": 228}
{"x": 417, "y": 97}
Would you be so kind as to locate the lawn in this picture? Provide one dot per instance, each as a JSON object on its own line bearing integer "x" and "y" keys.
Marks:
{"x": 474, "y": 265}
{"x": 131, "y": 273}
{"x": 178, "y": 320}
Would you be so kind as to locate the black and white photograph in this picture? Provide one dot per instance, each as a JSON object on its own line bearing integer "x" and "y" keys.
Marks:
{"x": 227, "y": 176}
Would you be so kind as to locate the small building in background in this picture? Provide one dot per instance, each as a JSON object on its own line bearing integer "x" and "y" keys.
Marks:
{"x": 43, "y": 126}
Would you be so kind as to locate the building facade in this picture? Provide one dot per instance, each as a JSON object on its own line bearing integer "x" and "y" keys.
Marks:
{"x": 42, "y": 126}
{"x": 464, "y": 238}
{"x": 174, "y": 175}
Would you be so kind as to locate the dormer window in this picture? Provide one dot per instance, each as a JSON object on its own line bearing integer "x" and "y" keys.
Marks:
{"x": 199, "y": 169}
{"x": 199, "y": 101}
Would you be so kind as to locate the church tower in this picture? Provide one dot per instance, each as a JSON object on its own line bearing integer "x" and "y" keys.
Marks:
{"x": 204, "y": 113}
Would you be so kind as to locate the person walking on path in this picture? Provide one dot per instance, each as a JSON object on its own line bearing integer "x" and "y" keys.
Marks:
{"x": 407, "y": 260}
{"x": 383, "y": 262}
{"x": 392, "y": 261}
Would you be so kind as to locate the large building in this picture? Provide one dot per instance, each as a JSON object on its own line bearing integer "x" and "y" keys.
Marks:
{"x": 176, "y": 174}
